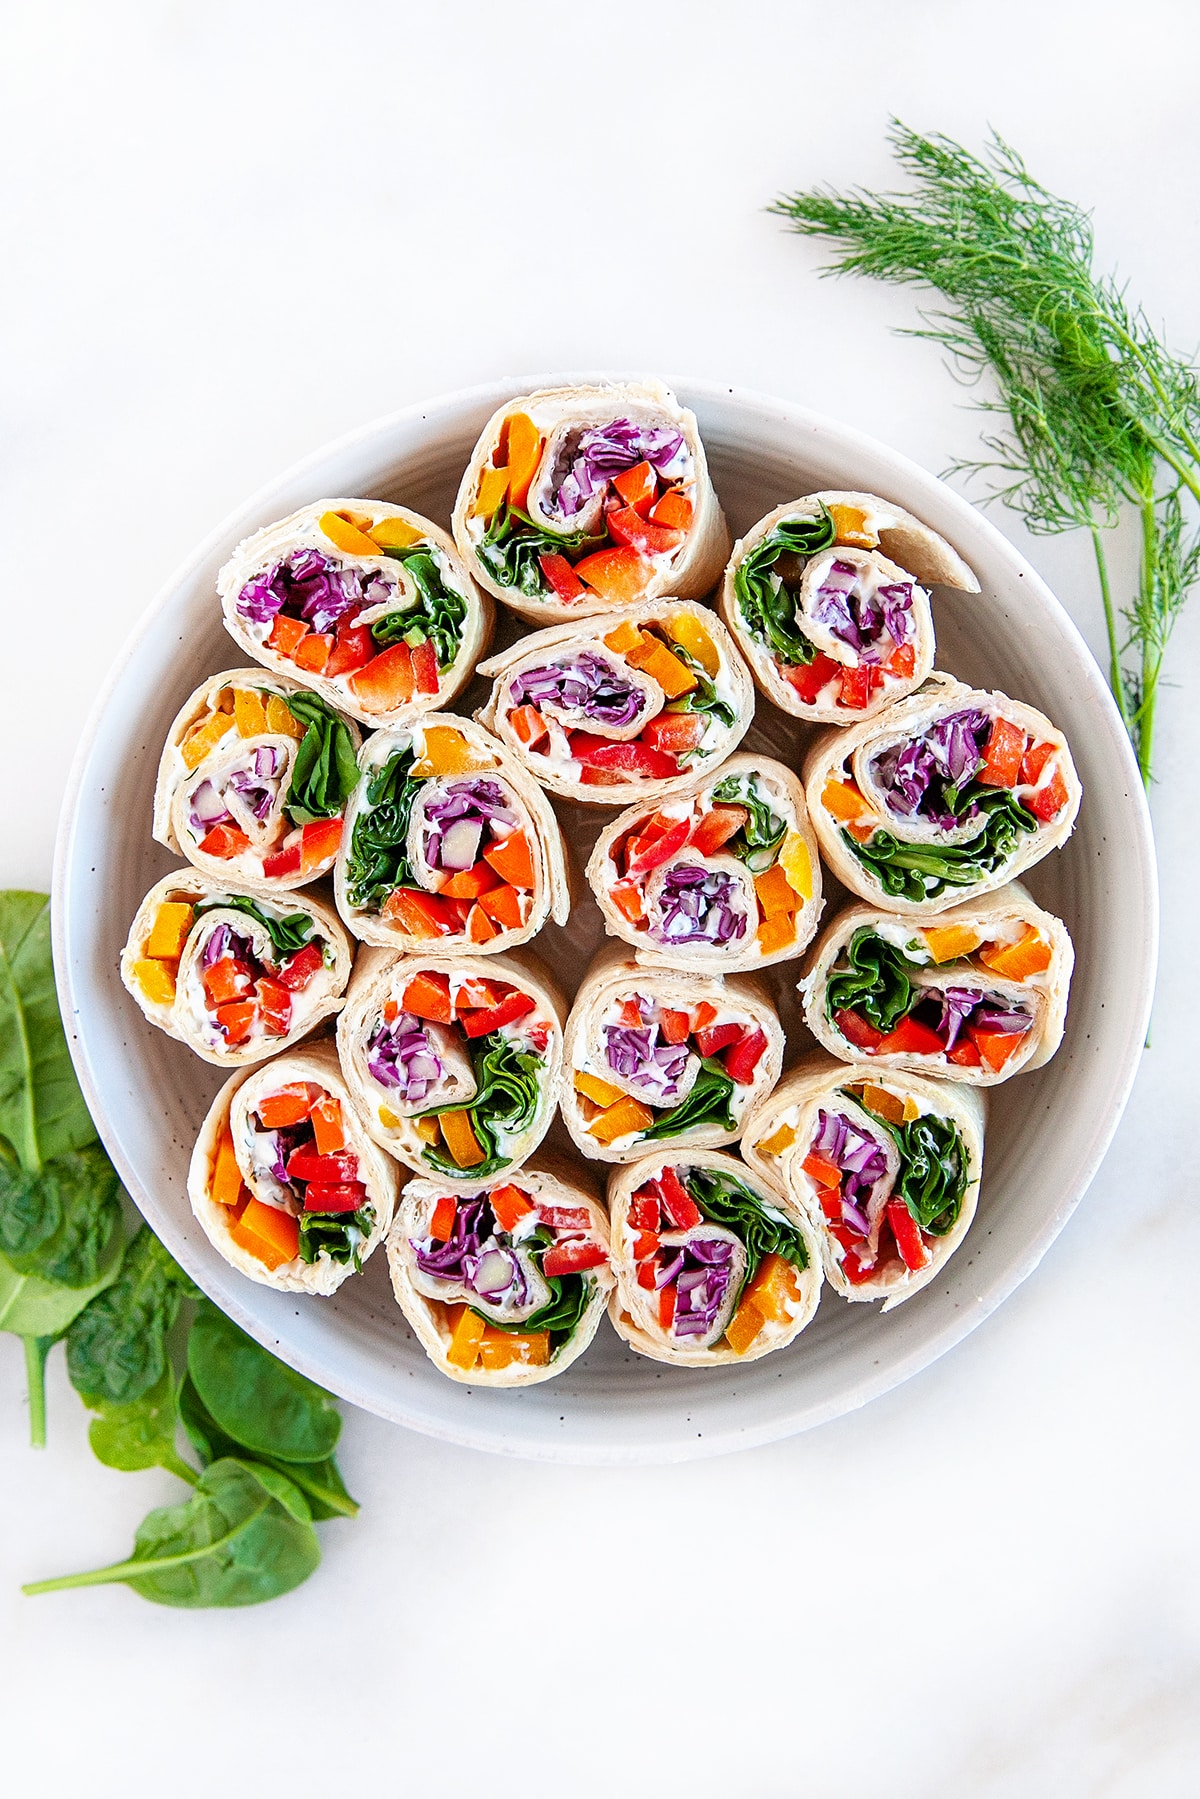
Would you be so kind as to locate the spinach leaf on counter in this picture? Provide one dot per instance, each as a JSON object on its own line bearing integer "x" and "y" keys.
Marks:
{"x": 320, "y": 1482}
{"x": 257, "y": 1399}
{"x": 116, "y": 1349}
{"x": 58, "y": 1223}
{"x": 142, "y": 1433}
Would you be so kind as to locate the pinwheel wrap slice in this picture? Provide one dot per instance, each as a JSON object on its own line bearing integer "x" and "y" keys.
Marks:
{"x": 276, "y": 1138}
{"x": 290, "y": 962}
{"x": 503, "y": 1284}
{"x": 827, "y": 598}
{"x": 714, "y": 1264}
{"x": 367, "y": 603}
{"x": 602, "y": 711}
{"x": 885, "y": 1164}
{"x": 584, "y": 499}
{"x": 454, "y": 1062}
{"x": 948, "y": 795}
{"x": 449, "y": 842}
{"x": 647, "y": 1044}
{"x": 254, "y": 779}
{"x": 989, "y": 978}
{"x": 722, "y": 877}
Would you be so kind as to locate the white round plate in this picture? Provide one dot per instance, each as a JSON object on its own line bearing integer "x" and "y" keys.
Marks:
{"x": 1047, "y": 1131}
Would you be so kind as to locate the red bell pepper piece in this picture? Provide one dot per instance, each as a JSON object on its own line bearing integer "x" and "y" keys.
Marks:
{"x": 226, "y": 980}
{"x": 902, "y": 662}
{"x": 831, "y": 1203}
{"x": 387, "y": 681}
{"x": 329, "y": 1127}
{"x": 1002, "y": 755}
{"x": 666, "y": 1305}
{"x": 711, "y": 1039}
{"x": 285, "y": 634}
{"x": 646, "y": 852}
{"x": 298, "y": 970}
{"x": 491, "y": 1018}
{"x": 287, "y": 1105}
{"x": 673, "y": 733}
{"x": 741, "y": 1059}
{"x": 1033, "y": 762}
{"x": 677, "y": 1202}
{"x": 910, "y": 1038}
{"x": 572, "y": 1257}
{"x": 644, "y": 1211}
{"x": 809, "y": 678}
{"x": 224, "y": 841}
{"x": 441, "y": 1225}
{"x": 342, "y": 1197}
{"x": 995, "y": 1047}
{"x": 632, "y": 758}
{"x": 914, "y": 1252}
{"x": 645, "y": 1275}
{"x": 235, "y": 1020}
{"x": 645, "y": 1245}
{"x": 539, "y": 1036}
{"x": 715, "y": 829}
{"x": 353, "y": 649}
{"x": 676, "y": 1027}
{"x": 425, "y": 667}
{"x": 428, "y": 996}
{"x": 528, "y": 725}
{"x": 561, "y": 576}
{"x": 964, "y": 1054}
{"x": 275, "y": 1004}
{"x": 856, "y": 1030}
{"x": 319, "y": 843}
{"x": 625, "y": 526}
{"x": 628, "y": 900}
{"x": 565, "y": 1218}
{"x": 326, "y": 1171}
{"x": 638, "y": 487}
{"x": 858, "y": 684}
{"x": 421, "y": 914}
{"x": 283, "y": 863}
{"x": 1045, "y": 804}
{"x": 674, "y": 509}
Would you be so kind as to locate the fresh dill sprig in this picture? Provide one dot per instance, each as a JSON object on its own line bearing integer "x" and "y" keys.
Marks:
{"x": 1098, "y": 414}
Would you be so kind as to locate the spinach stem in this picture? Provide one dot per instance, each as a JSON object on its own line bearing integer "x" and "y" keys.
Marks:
{"x": 137, "y": 1565}
{"x": 36, "y": 1351}
{"x": 175, "y": 1464}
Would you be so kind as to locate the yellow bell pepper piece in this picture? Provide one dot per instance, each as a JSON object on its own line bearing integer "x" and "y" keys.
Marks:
{"x": 673, "y": 676}
{"x": 447, "y": 752}
{"x": 1017, "y": 961}
{"x": 387, "y": 1118}
{"x": 775, "y": 892}
{"x": 346, "y": 536}
{"x": 461, "y": 1140}
{"x": 427, "y": 1129}
{"x": 250, "y": 714}
{"x": 624, "y": 638}
{"x": 886, "y": 1105}
{"x": 911, "y": 1109}
{"x": 168, "y": 933}
{"x": 779, "y": 1140}
{"x": 946, "y": 943}
{"x": 850, "y": 523}
{"x": 602, "y": 1092}
{"x": 493, "y": 485}
{"x": 395, "y": 534}
{"x": 202, "y": 738}
{"x": 744, "y": 1327}
{"x": 280, "y": 720}
{"x": 627, "y": 1116}
{"x": 691, "y": 635}
{"x": 466, "y": 1334}
{"x": 796, "y": 864}
{"x": 156, "y": 980}
{"x": 500, "y": 1349}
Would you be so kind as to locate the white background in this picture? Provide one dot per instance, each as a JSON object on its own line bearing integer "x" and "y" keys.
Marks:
{"x": 234, "y": 231}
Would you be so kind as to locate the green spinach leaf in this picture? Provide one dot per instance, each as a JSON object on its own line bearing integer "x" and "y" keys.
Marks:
{"x": 325, "y": 772}
{"x": 767, "y": 607}
{"x": 39, "y": 1311}
{"x": 876, "y": 983}
{"x": 569, "y": 1294}
{"x": 506, "y": 1098}
{"x": 439, "y": 614}
{"x": 378, "y": 860}
{"x": 42, "y": 1113}
{"x": 320, "y": 1482}
{"x": 765, "y": 1231}
{"x": 703, "y": 696}
{"x": 512, "y": 543}
{"x": 934, "y": 1169}
{"x": 339, "y": 1235}
{"x": 116, "y": 1348}
{"x": 59, "y": 1222}
{"x": 141, "y": 1434}
{"x": 707, "y": 1103}
{"x": 287, "y": 934}
{"x": 244, "y": 1535}
{"x": 758, "y": 842}
{"x": 917, "y": 871}
{"x": 263, "y": 1404}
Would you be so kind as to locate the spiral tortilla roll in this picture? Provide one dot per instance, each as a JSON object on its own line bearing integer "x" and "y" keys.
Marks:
{"x": 948, "y": 795}
{"x": 654, "y": 1056}
{"x": 365, "y": 602}
{"x": 448, "y": 841}
{"x": 235, "y": 976}
{"x": 581, "y": 499}
{"x": 713, "y": 1263}
{"x": 722, "y": 877}
{"x": 977, "y": 995}
{"x": 827, "y": 599}
{"x": 253, "y": 781}
{"x": 284, "y": 1178}
{"x": 454, "y": 1062}
{"x": 893, "y": 1194}
{"x": 603, "y": 711}
{"x": 505, "y": 1284}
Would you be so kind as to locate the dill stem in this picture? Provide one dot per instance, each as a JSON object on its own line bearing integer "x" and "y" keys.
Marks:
{"x": 1144, "y": 738}
{"x": 1110, "y": 624}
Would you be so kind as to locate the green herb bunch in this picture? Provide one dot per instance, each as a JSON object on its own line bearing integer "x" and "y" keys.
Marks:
{"x": 1099, "y": 417}
{"x": 263, "y": 1435}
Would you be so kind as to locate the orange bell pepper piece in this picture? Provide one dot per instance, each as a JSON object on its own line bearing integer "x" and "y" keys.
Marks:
{"x": 744, "y": 1327}
{"x": 628, "y": 1115}
{"x": 201, "y": 738}
{"x": 461, "y": 1140}
{"x": 156, "y": 980}
{"x": 421, "y": 915}
{"x": 1002, "y": 756}
{"x": 947, "y": 943}
{"x": 480, "y": 928}
{"x": 524, "y": 454}
{"x": 601, "y": 1093}
{"x": 225, "y": 1188}
{"x": 347, "y": 536}
{"x": 428, "y": 996}
{"x": 314, "y": 651}
{"x": 441, "y": 1225}
{"x": 509, "y": 1204}
{"x": 329, "y": 1126}
{"x": 503, "y": 906}
{"x": 620, "y": 575}
{"x": 637, "y": 486}
{"x": 286, "y": 634}
{"x": 775, "y": 892}
{"x": 674, "y": 509}
{"x": 528, "y": 725}
{"x": 776, "y": 932}
{"x": 1031, "y": 954}
{"x": 466, "y": 1334}
{"x": 844, "y": 800}
{"x": 469, "y": 883}
{"x": 512, "y": 860}
{"x": 287, "y": 1105}
{"x": 268, "y": 1234}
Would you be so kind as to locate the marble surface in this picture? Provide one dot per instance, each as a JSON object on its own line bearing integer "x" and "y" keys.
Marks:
{"x": 233, "y": 232}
